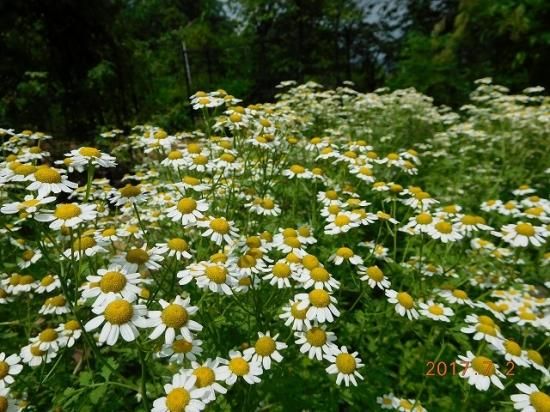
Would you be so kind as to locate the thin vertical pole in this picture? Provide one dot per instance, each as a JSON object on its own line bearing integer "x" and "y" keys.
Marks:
{"x": 187, "y": 77}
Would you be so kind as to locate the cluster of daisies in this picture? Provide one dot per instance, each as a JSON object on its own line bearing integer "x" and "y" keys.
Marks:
{"x": 250, "y": 213}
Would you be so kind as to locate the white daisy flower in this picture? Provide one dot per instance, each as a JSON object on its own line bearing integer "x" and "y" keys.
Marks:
{"x": 435, "y": 311}
{"x": 29, "y": 205}
{"x": 139, "y": 257}
{"x": 342, "y": 223}
{"x": 68, "y": 215}
{"x": 523, "y": 234}
{"x": 404, "y": 303}
{"x": 181, "y": 349}
{"x": 69, "y": 333}
{"x": 480, "y": 371}
{"x": 7, "y": 403}
{"x": 48, "y": 284}
{"x": 238, "y": 366}
{"x": 219, "y": 230}
{"x": 33, "y": 356}
{"x": 187, "y": 211}
{"x": 207, "y": 375}
{"x": 320, "y": 305}
{"x": 316, "y": 341}
{"x": 46, "y": 180}
{"x": 110, "y": 283}
{"x": 181, "y": 396}
{"x": 9, "y": 367}
{"x": 374, "y": 276}
{"x": 344, "y": 364}
{"x": 174, "y": 317}
{"x": 530, "y": 399}
{"x": 294, "y": 317}
{"x": 345, "y": 254}
{"x": 90, "y": 156}
{"x": 280, "y": 273}
{"x": 118, "y": 317}
{"x": 265, "y": 349}
{"x": 456, "y": 296}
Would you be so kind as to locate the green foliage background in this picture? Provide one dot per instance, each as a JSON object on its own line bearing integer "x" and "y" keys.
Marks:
{"x": 70, "y": 67}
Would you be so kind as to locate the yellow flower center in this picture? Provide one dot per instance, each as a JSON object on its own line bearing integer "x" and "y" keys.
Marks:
{"x": 245, "y": 281}
{"x": 422, "y": 195}
{"x": 29, "y": 203}
{"x": 190, "y": 180}
{"x": 205, "y": 376}
{"x": 460, "y": 294}
{"x": 268, "y": 203}
{"x": 486, "y": 320}
{"x": 174, "y": 155}
{"x": 200, "y": 160}
{"x": 220, "y": 225}
{"x": 247, "y": 261}
{"x": 405, "y": 300}
{"x": 178, "y": 244}
{"x": 344, "y": 252}
{"x": 4, "y": 369}
{"x": 540, "y": 401}
{"x": 160, "y": 134}
{"x": 297, "y": 169}
{"x": 67, "y": 211}
{"x": 424, "y": 219}
{"x": 72, "y": 325}
{"x": 297, "y": 313}
{"x": 27, "y": 255}
{"x": 57, "y": 301}
{"x": 47, "y": 280}
{"x": 345, "y": 363}
{"x": 174, "y": 316}
{"x": 393, "y": 156}
{"x": 216, "y": 274}
{"x": 341, "y": 220}
{"x": 486, "y": 329}
{"x": 47, "y": 175}
{"x": 265, "y": 346}
{"x": 526, "y": 315}
{"x": 436, "y": 310}
{"x": 316, "y": 336}
{"x": 535, "y": 357}
{"x": 289, "y": 232}
{"x": 112, "y": 282}
{"x": 319, "y": 298}
{"x": 444, "y": 227}
{"x": 293, "y": 242}
{"x": 281, "y": 270}
{"x": 89, "y": 152}
{"x": 365, "y": 171}
{"x": 187, "y": 205}
{"x": 512, "y": 348}
{"x": 375, "y": 273}
{"x": 25, "y": 170}
{"x": 129, "y": 191}
{"x": 119, "y": 312}
{"x": 194, "y": 148}
{"x": 310, "y": 262}
{"x": 83, "y": 243}
{"x": 235, "y": 117}
{"x": 177, "y": 400}
{"x": 181, "y": 346}
{"x": 48, "y": 335}
{"x": 137, "y": 256}
{"x": 36, "y": 351}
{"x": 239, "y": 366}
{"x": 109, "y": 232}
{"x": 483, "y": 366}
{"x": 319, "y": 274}
{"x": 253, "y": 242}
{"x": 525, "y": 229}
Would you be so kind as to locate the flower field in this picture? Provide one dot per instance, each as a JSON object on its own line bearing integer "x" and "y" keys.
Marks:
{"x": 330, "y": 251}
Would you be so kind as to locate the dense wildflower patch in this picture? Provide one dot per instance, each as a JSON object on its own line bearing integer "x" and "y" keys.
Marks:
{"x": 333, "y": 250}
